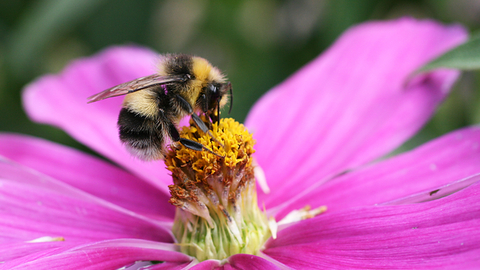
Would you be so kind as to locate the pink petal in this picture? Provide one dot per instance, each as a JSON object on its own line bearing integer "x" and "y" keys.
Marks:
{"x": 170, "y": 266}
{"x": 111, "y": 254}
{"x": 245, "y": 261}
{"x": 206, "y": 265}
{"x": 439, "y": 162}
{"x": 442, "y": 233}
{"x": 437, "y": 193}
{"x": 61, "y": 100}
{"x": 238, "y": 261}
{"x": 350, "y": 105}
{"x": 86, "y": 173}
{"x": 33, "y": 205}
{"x": 17, "y": 250}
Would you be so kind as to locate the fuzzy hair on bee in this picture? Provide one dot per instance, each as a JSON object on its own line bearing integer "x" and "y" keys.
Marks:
{"x": 154, "y": 105}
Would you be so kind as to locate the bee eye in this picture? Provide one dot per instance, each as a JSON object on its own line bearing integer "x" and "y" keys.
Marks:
{"x": 214, "y": 93}
{"x": 212, "y": 88}
{"x": 210, "y": 97}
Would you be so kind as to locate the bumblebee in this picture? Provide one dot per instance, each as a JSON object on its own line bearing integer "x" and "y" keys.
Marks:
{"x": 154, "y": 105}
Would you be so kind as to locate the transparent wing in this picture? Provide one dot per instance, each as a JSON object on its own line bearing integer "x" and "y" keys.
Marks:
{"x": 136, "y": 85}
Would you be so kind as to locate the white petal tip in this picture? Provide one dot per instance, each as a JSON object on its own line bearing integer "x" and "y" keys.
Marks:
{"x": 261, "y": 179}
{"x": 47, "y": 239}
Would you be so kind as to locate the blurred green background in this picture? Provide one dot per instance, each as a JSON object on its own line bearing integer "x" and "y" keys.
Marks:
{"x": 257, "y": 43}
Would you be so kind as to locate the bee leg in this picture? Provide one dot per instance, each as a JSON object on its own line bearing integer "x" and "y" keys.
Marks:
{"x": 188, "y": 108}
{"x": 201, "y": 125}
{"x": 173, "y": 132}
{"x": 184, "y": 104}
{"x": 193, "y": 145}
{"x": 196, "y": 146}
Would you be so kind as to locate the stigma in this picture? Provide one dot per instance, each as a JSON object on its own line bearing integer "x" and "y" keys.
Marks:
{"x": 214, "y": 191}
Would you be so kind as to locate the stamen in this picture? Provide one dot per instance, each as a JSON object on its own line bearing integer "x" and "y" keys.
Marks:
{"x": 46, "y": 239}
{"x": 273, "y": 226}
{"x": 301, "y": 214}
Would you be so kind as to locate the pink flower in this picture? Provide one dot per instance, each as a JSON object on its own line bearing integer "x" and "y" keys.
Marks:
{"x": 318, "y": 135}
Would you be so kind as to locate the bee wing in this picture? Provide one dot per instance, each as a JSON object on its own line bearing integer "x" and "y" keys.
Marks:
{"x": 136, "y": 85}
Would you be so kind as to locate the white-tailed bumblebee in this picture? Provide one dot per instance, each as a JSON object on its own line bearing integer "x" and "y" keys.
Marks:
{"x": 155, "y": 104}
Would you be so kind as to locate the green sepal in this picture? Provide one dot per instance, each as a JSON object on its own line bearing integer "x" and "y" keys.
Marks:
{"x": 466, "y": 56}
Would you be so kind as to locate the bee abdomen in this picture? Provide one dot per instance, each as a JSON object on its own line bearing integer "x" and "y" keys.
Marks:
{"x": 141, "y": 135}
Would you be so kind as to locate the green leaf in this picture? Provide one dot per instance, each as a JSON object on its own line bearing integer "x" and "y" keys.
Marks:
{"x": 464, "y": 57}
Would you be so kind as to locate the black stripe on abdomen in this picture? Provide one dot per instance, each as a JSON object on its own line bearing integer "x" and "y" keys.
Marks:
{"x": 142, "y": 135}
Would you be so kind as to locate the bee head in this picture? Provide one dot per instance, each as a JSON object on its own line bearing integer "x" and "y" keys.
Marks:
{"x": 216, "y": 95}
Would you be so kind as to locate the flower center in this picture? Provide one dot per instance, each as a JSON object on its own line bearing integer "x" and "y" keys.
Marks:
{"x": 217, "y": 213}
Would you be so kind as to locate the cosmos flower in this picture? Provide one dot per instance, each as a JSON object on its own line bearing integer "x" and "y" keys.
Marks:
{"x": 320, "y": 136}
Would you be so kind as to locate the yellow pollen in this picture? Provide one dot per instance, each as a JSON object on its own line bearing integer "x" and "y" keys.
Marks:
{"x": 236, "y": 150}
